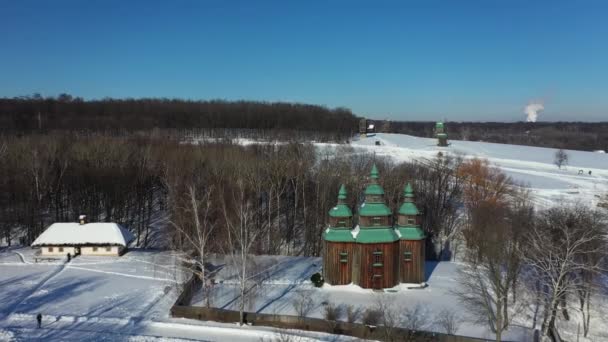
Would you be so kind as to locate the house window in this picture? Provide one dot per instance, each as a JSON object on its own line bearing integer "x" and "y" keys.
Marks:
{"x": 108, "y": 249}
{"x": 61, "y": 249}
{"x": 407, "y": 256}
{"x": 94, "y": 249}
{"x": 376, "y": 221}
{"x": 50, "y": 249}
{"x": 343, "y": 257}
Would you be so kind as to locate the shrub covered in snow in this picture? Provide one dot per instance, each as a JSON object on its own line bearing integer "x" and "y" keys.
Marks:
{"x": 317, "y": 279}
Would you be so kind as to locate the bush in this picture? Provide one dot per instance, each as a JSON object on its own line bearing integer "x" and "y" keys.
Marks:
{"x": 372, "y": 317}
{"x": 333, "y": 312}
{"x": 317, "y": 279}
{"x": 352, "y": 313}
{"x": 303, "y": 303}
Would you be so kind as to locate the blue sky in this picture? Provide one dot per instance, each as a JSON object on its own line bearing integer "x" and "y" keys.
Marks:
{"x": 409, "y": 60}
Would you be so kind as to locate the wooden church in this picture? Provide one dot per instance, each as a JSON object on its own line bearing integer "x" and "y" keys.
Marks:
{"x": 379, "y": 252}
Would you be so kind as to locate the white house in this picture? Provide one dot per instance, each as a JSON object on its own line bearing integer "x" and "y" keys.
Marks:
{"x": 98, "y": 238}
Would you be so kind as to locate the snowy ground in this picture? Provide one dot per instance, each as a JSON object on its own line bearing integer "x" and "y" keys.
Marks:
{"x": 104, "y": 299}
{"x": 531, "y": 166}
{"x": 284, "y": 278}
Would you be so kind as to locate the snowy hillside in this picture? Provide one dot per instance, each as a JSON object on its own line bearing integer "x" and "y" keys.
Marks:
{"x": 531, "y": 166}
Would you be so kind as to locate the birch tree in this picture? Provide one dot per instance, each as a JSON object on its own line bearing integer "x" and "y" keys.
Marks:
{"x": 239, "y": 214}
{"x": 198, "y": 209}
{"x": 560, "y": 247}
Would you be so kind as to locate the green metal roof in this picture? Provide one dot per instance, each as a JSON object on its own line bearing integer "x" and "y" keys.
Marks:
{"x": 411, "y": 233}
{"x": 340, "y": 210}
{"x": 374, "y": 189}
{"x": 408, "y": 208}
{"x": 377, "y": 235}
{"x": 338, "y": 235}
{"x": 374, "y": 173}
{"x": 439, "y": 124}
{"x": 374, "y": 209}
{"x": 342, "y": 193}
{"x": 442, "y": 135}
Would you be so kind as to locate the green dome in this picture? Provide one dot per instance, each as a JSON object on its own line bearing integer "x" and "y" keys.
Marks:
{"x": 408, "y": 208}
{"x": 374, "y": 173}
{"x": 408, "y": 191}
{"x": 340, "y": 210}
{"x": 374, "y": 209}
{"x": 374, "y": 189}
{"x": 439, "y": 124}
{"x": 342, "y": 193}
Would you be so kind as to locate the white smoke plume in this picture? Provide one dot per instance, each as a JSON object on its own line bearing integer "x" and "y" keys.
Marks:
{"x": 532, "y": 110}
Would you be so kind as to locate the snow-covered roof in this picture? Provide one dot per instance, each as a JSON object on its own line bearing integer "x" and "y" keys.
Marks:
{"x": 72, "y": 233}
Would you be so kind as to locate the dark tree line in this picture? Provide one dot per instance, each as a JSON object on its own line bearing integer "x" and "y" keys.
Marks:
{"x": 584, "y": 136}
{"x": 36, "y": 113}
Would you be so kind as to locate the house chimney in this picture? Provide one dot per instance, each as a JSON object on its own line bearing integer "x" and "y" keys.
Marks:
{"x": 82, "y": 219}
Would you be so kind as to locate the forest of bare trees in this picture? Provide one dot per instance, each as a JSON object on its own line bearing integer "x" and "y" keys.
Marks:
{"x": 119, "y": 116}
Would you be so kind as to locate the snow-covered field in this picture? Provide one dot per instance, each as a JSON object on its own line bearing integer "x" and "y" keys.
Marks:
{"x": 284, "y": 279}
{"x": 103, "y": 299}
{"x": 530, "y": 166}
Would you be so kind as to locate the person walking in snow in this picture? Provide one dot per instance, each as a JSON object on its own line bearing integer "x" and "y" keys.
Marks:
{"x": 69, "y": 257}
{"x": 39, "y": 319}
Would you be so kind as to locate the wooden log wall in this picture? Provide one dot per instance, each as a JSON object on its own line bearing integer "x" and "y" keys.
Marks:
{"x": 377, "y": 277}
{"x": 335, "y": 271}
{"x": 411, "y": 271}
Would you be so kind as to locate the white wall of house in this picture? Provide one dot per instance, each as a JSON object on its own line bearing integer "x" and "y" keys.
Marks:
{"x": 101, "y": 250}
{"x": 85, "y": 250}
{"x": 57, "y": 250}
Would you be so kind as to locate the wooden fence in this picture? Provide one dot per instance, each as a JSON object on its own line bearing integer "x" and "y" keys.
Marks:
{"x": 182, "y": 309}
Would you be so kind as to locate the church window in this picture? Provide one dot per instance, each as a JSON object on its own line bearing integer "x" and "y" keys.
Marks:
{"x": 411, "y": 221}
{"x": 407, "y": 256}
{"x": 377, "y": 258}
{"x": 377, "y": 221}
{"x": 344, "y": 257}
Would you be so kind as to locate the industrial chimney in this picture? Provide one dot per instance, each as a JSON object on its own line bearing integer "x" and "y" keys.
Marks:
{"x": 82, "y": 219}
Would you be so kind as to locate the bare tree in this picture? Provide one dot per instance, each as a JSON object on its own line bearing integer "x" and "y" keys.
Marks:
{"x": 239, "y": 216}
{"x": 561, "y": 158}
{"x": 352, "y": 313}
{"x": 303, "y": 303}
{"x": 448, "y": 321}
{"x": 561, "y": 246}
{"x": 332, "y": 314}
{"x": 495, "y": 221}
{"x": 198, "y": 228}
{"x": 390, "y": 316}
{"x": 416, "y": 318}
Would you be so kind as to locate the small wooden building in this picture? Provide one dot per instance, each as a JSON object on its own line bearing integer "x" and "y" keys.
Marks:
{"x": 99, "y": 238}
{"x": 381, "y": 251}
